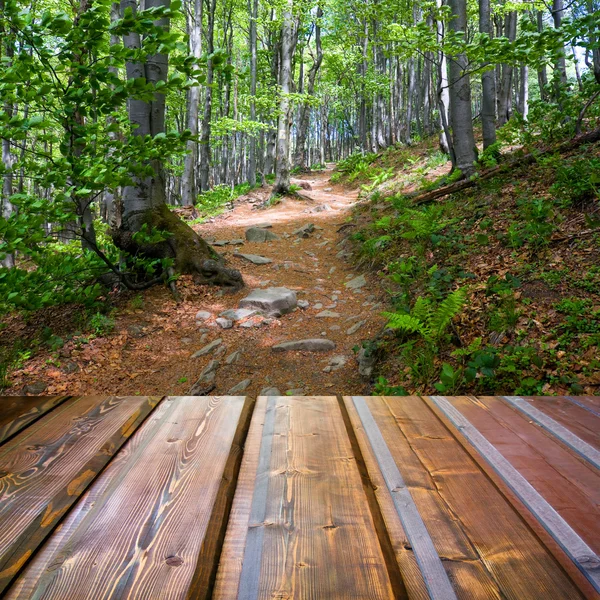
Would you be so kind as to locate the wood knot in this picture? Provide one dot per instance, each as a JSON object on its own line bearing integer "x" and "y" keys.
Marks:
{"x": 174, "y": 561}
{"x": 332, "y": 526}
{"x": 34, "y": 448}
{"x": 171, "y": 440}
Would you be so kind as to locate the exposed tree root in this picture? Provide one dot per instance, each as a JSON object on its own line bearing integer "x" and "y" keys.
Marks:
{"x": 191, "y": 254}
{"x": 429, "y": 196}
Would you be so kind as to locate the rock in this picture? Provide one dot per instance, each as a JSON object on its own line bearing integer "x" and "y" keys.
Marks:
{"x": 255, "y": 321}
{"x": 136, "y": 331}
{"x": 70, "y": 367}
{"x": 351, "y": 318}
{"x": 327, "y": 369}
{"x": 332, "y": 270}
{"x": 356, "y": 283}
{"x": 240, "y": 387}
{"x": 310, "y": 345}
{"x": 321, "y": 208}
{"x": 318, "y": 306}
{"x": 220, "y": 243}
{"x": 327, "y": 314}
{"x": 233, "y": 357}
{"x": 366, "y": 361}
{"x": 186, "y": 340}
{"x": 302, "y": 183}
{"x": 355, "y": 328}
{"x": 269, "y": 391}
{"x": 328, "y": 189}
{"x": 265, "y": 225}
{"x": 237, "y": 314}
{"x": 295, "y": 392}
{"x": 334, "y": 328}
{"x": 303, "y": 303}
{"x": 238, "y": 242}
{"x": 203, "y": 315}
{"x": 258, "y": 234}
{"x": 224, "y": 323}
{"x": 253, "y": 258}
{"x": 305, "y": 230}
{"x": 337, "y": 362}
{"x": 208, "y": 348}
{"x": 274, "y": 301}
{"x": 34, "y": 389}
{"x": 208, "y": 373}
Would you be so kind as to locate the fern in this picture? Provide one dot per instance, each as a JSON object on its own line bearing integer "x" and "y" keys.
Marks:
{"x": 405, "y": 323}
{"x": 446, "y": 311}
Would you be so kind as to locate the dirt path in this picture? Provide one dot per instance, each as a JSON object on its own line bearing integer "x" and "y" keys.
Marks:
{"x": 151, "y": 348}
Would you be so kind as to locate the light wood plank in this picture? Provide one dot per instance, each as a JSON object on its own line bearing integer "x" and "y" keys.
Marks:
{"x": 17, "y": 412}
{"x": 45, "y": 469}
{"x": 317, "y": 536}
{"x": 149, "y": 526}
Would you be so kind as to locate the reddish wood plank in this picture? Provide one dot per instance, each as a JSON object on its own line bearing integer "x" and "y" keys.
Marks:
{"x": 17, "y": 412}
{"x": 45, "y": 469}
{"x": 314, "y": 537}
{"x": 486, "y": 547}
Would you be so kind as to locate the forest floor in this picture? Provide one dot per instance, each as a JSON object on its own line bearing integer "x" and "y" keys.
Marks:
{"x": 149, "y": 340}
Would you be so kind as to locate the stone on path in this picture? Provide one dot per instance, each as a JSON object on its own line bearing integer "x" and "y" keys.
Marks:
{"x": 208, "y": 348}
{"x": 356, "y": 283}
{"x": 253, "y": 258}
{"x": 208, "y": 373}
{"x": 238, "y": 388}
{"x": 237, "y": 314}
{"x": 274, "y": 301}
{"x": 233, "y": 357}
{"x": 224, "y": 323}
{"x": 309, "y": 345}
{"x": 259, "y": 234}
{"x": 366, "y": 361}
{"x": 335, "y": 363}
{"x": 355, "y": 328}
{"x": 303, "y": 303}
{"x": 203, "y": 315}
{"x": 318, "y": 305}
{"x": 327, "y": 314}
{"x": 305, "y": 230}
{"x": 269, "y": 391}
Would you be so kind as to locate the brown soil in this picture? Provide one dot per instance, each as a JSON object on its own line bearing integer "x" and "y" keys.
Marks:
{"x": 150, "y": 350}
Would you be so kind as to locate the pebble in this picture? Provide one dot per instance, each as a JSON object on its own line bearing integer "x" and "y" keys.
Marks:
{"x": 203, "y": 315}
{"x": 327, "y": 314}
{"x": 355, "y": 328}
{"x": 356, "y": 283}
{"x": 240, "y": 387}
{"x": 303, "y": 303}
{"x": 224, "y": 323}
{"x": 208, "y": 348}
{"x": 233, "y": 357}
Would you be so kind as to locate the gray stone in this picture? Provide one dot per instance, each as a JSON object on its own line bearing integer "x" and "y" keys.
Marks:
{"x": 203, "y": 315}
{"x": 237, "y": 242}
{"x": 321, "y": 208}
{"x": 208, "y": 348}
{"x": 303, "y": 303}
{"x": 327, "y": 314}
{"x": 224, "y": 323}
{"x": 334, "y": 328}
{"x": 318, "y": 306}
{"x": 305, "y": 230}
{"x": 208, "y": 373}
{"x": 186, "y": 340}
{"x": 274, "y": 301}
{"x": 310, "y": 345}
{"x": 337, "y": 362}
{"x": 240, "y": 387}
{"x": 366, "y": 361}
{"x": 265, "y": 225}
{"x": 34, "y": 389}
{"x": 258, "y": 234}
{"x": 355, "y": 327}
{"x": 253, "y": 258}
{"x": 237, "y": 314}
{"x": 269, "y": 391}
{"x": 328, "y": 189}
{"x": 233, "y": 357}
{"x": 356, "y": 283}
{"x": 220, "y": 243}
{"x": 332, "y": 270}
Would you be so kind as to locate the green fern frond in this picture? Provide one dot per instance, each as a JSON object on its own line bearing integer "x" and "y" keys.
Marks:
{"x": 422, "y": 309}
{"x": 446, "y": 311}
{"x": 404, "y": 323}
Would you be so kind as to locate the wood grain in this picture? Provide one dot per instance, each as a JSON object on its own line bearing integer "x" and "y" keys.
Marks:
{"x": 45, "y": 468}
{"x": 140, "y": 531}
{"x": 317, "y": 535}
{"x": 17, "y": 412}
{"x": 488, "y": 551}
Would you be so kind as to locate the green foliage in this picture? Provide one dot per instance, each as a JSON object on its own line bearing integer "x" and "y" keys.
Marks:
{"x": 535, "y": 227}
{"x": 101, "y": 324}
{"x": 577, "y": 182}
{"x": 491, "y": 155}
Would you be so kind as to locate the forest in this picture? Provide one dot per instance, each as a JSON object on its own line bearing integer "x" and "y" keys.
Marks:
{"x": 438, "y": 161}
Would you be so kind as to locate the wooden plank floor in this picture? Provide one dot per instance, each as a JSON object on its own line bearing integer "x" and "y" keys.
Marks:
{"x": 300, "y": 498}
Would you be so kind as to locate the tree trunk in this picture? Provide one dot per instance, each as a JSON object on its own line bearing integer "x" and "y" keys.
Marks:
{"x": 488, "y": 83}
{"x": 144, "y": 201}
{"x": 460, "y": 98}
{"x": 253, "y": 12}
{"x": 282, "y": 180}
{"x": 303, "y": 120}
{"x": 560, "y": 66}
{"x": 523, "y": 106}
{"x": 505, "y": 96}
{"x": 443, "y": 94}
{"x": 542, "y": 73}
{"x": 189, "y": 188}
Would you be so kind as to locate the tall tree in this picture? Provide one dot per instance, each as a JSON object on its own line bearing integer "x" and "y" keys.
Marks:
{"x": 488, "y": 82}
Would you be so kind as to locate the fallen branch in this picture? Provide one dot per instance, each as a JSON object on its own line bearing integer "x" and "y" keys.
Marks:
{"x": 423, "y": 198}
{"x": 571, "y": 236}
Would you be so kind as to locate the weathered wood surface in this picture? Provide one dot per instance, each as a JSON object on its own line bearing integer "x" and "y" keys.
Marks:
{"x": 485, "y": 547}
{"x": 45, "y": 468}
{"x": 141, "y": 530}
{"x": 300, "y": 525}
{"x": 17, "y": 412}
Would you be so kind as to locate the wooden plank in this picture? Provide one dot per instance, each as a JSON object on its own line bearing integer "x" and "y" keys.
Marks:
{"x": 567, "y": 437}
{"x": 486, "y": 548}
{"x": 318, "y": 537}
{"x": 573, "y": 545}
{"x": 45, "y": 468}
{"x": 17, "y": 412}
{"x": 434, "y": 576}
{"x": 569, "y": 484}
{"x": 588, "y": 403}
{"x": 142, "y": 529}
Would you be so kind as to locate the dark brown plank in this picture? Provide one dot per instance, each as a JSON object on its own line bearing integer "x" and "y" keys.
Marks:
{"x": 486, "y": 548}
{"x": 141, "y": 529}
{"x": 300, "y": 526}
{"x": 17, "y": 412}
{"x": 45, "y": 468}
